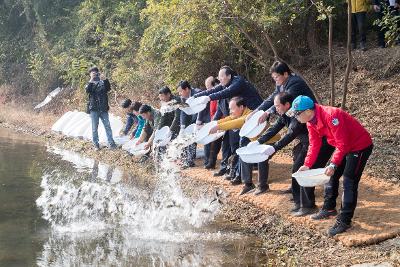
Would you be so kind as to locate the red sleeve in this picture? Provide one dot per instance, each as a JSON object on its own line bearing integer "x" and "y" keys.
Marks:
{"x": 213, "y": 108}
{"x": 313, "y": 148}
{"x": 338, "y": 128}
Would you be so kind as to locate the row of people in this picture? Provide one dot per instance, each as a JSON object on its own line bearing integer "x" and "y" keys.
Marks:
{"x": 325, "y": 136}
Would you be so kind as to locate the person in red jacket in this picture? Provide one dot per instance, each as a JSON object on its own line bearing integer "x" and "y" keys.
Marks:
{"x": 353, "y": 146}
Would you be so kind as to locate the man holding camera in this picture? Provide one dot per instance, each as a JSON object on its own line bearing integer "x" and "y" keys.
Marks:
{"x": 98, "y": 107}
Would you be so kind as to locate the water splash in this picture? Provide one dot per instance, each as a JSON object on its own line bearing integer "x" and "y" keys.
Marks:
{"x": 76, "y": 203}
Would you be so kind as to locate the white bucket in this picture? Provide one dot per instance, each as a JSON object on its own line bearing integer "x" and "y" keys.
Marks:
{"x": 311, "y": 178}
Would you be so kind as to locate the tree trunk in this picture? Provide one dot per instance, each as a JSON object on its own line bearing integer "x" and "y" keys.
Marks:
{"x": 349, "y": 57}
{"x": 331, "y": 61}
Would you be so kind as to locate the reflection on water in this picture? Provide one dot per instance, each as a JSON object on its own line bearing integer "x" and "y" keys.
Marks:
{"x": 100, "y": 216}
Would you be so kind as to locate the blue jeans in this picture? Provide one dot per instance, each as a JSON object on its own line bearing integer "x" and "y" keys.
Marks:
{"x": 103, "y": 115}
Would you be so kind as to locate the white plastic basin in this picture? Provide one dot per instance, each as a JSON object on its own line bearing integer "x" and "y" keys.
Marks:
{"x": 190, "y": 130}
{"x": 312, "y": 177}
{"x": 193, "y": 109}
{"x": 203, "y": 135}
{"x": 196, "y": 101}
{"x": 162, "y": 136}
{"x": 139, "y": 149}
{"x": 251, "y": 128}
{"x": 252, "y": 154}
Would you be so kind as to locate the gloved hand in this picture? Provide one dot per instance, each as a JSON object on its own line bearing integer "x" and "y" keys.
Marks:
{"x": 253, "y": 144}
{"x": 269, "y": 150}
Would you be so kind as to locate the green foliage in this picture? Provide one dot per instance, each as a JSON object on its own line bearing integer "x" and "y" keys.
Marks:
{"x": 390, "y": 24}
{"x": 143, "y": 44}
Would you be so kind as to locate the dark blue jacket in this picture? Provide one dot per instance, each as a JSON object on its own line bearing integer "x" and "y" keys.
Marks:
{"x": 238, "y": 86}
{"x": 294, "y": 85}
{"x": 186, "y": 120}
{"x": 98, "y": 95}
{"x": 131, "y": 119}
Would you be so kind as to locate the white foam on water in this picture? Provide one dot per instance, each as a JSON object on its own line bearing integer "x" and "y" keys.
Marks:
{"x": 98, "y": 220}
{"x": 73, "y": 204}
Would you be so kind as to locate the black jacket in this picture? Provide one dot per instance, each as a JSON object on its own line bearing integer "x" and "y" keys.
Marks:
{"x": 294, "y": 85}
{"x": 295, "y": 130}
{"x": 172, "y": 118}
{"x": 238, "y": 86}
{"x": 204, "y": 115}
{"x": 98, "y": 95}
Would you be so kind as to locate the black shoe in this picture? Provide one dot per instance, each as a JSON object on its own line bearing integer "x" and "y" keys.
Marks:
{"x": 247, "y": 188}
{"x": 113, "y": 146}
{"x": 324, "y": 214}
{"x": 353, "y": 46}
{"x": 220, "y": 172}
{"x": 295, "y": 208}
{"x": 261, "y": 190}
{"x": 363, "y": 47}
{"x": 143, "y": 159}
{"x": 96, "y": 147}
{"x": 209, "y": 166}
{"x": 187, "y": 165}
{"x": 305, "y": 211}
{"x": 230, "y": 176}
{"x": 337, "y": 228}
{"x": 236, "y": 181}
{"x": 286, "y": 191}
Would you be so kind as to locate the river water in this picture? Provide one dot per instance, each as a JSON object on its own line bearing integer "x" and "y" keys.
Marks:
{"x": 58, "y": 208}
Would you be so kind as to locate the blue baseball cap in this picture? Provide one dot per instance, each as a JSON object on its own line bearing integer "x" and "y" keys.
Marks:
{"x": 302, "y": 103}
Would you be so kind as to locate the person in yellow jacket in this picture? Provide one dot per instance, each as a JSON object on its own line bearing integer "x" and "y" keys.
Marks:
{"x": 359, "y": 10}
{"x": 235, "y": 121}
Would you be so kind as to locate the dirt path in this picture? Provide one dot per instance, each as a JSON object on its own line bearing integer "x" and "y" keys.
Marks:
{"x": 377, "y": 216}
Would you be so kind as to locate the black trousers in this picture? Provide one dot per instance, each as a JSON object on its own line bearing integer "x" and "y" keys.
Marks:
{"x": 216, "y": 146}
{"x": 305, "y": 196}
{"x": 358, "y": 24}
{"x": 207, "y": 154}
{"x": 246, "y": 170}
{"x": 234, "y": 141}
{"x": 351, "y": 168}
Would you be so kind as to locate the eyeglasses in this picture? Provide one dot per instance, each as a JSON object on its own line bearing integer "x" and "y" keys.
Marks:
{"x": 292, "y": 113}
{"x": 297, "y": 113}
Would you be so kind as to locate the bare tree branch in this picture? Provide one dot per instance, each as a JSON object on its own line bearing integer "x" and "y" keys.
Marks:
{"x": 349, "y": 57}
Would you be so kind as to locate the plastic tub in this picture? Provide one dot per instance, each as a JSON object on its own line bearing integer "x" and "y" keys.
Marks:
{"x": 162, "y": 136}
{"x": 251, "y": 128}
{"x": 193, "y": 109}
{"x": 311, "y": 178}
{"x": 252, "y": 154}
{"x": 203, "y": 135}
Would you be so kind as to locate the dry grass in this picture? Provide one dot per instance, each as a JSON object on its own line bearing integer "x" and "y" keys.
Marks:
{"x": 21, "y": 117}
